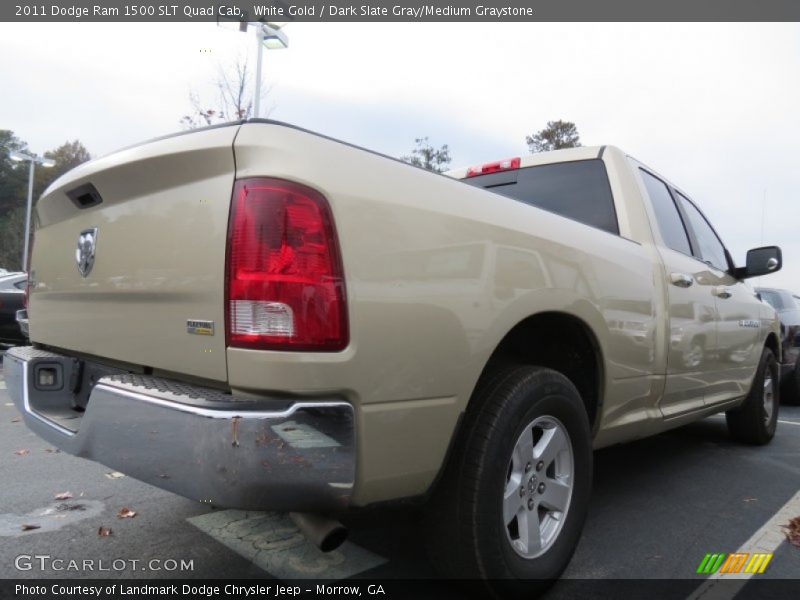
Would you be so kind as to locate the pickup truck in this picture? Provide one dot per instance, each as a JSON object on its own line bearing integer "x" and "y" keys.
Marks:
{"x": 260, "y": 317}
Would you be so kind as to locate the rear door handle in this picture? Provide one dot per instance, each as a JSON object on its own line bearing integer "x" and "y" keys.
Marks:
{"x": 681, "y": 279}
{"x": 722, "y": 292}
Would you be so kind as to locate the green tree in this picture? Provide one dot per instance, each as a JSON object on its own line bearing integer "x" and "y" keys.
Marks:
{"x": 12, "y": 236}
{"x": 13, "y": 175}
{"x": 426, "y": 156}
{"x": 557, "y": 135}
{"x": 67, "y": 156}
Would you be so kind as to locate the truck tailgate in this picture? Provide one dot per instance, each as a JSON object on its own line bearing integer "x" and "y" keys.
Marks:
{"x": 159, "y": 235}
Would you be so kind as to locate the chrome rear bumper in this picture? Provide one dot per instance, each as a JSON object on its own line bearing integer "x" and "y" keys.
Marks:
{"x": 197, "y": 442}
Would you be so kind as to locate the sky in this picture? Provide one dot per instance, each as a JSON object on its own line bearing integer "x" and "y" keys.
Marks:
{"x": 715, "y": 108}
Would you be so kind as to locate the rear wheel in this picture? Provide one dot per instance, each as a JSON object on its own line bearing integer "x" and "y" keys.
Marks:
{"x": 755, "y": 421}
{"x": 514, "y": 497}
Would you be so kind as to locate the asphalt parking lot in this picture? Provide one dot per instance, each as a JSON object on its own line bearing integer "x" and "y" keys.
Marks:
{"x": 659, "y": 505}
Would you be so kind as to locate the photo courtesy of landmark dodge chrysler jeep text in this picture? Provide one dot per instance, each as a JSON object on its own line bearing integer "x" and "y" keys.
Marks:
{"x": 256, "y": 316}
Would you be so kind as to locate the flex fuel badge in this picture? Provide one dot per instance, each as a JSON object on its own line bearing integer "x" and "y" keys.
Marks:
{"x": 200, "y": 327}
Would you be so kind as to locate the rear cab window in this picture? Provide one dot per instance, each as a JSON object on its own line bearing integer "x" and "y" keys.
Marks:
{"x": 578, "y": 190}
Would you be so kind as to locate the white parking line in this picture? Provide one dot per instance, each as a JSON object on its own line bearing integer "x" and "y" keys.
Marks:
{"x": 784, "y": 421}
{"x": 723, "y": 586}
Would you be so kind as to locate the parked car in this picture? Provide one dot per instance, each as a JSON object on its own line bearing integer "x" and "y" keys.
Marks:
{"x": 12, "y": 300}
{"x": 259, "y": 317}
{"x": 787, "y": 305}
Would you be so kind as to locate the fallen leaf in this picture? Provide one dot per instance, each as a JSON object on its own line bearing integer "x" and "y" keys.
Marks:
{"x": 29, "y": 527}
{"x": 16, "y": 419}
{"x": 22, "y": 452}
{"x": 104, "y": 532}
{"x": 126, "y": 513}
{"x": 52, "y": 450}
{"x": 115, "y": 475}
{"x": 792, "y": 531}
{"x": 63, "y": 496}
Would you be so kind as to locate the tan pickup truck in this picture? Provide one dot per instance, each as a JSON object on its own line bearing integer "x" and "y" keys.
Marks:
{"x": 256, "y": 316}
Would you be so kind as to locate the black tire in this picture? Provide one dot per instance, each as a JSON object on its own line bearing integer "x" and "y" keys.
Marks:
{"x": 790, "y": 387}
{"x": 752, "y": 422}
{"x": 467, "y": 535}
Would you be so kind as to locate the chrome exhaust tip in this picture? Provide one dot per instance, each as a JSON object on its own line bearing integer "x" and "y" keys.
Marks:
{"x": 325, "y": 533}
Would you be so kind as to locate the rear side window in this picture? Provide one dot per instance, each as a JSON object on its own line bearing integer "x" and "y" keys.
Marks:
{"x": 578, "y": 190}
{"x": 667, "y": 217}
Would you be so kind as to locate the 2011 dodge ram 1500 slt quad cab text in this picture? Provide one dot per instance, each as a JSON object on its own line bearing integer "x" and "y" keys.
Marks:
{"x": 256, "y": 316}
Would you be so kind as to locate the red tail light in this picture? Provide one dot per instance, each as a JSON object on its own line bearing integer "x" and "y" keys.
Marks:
{"x": 285, "y": 283}
{"x": 494, "y": 167}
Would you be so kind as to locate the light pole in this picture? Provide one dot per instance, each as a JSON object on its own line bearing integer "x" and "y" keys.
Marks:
{"x": 33, "y": 159}
{"x": 270, "y": 36}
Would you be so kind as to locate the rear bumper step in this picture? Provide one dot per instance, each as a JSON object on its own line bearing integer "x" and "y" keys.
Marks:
{"x": 200, "y": 443}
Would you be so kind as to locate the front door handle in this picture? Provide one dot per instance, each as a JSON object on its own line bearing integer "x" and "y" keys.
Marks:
{"x": 722, "y": 292}
{"x": 681, "y": 279}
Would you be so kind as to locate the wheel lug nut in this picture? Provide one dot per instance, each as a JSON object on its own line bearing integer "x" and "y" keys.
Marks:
{"x": 530, "y": 504}
{"x": 540, "y": 465}
{"x": 541, "y": 488}
{"x": 521, "y": 491}
{"x": 527, "y": 467}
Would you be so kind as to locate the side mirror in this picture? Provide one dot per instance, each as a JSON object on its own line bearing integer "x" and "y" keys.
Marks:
{"x": 761, "y": 261}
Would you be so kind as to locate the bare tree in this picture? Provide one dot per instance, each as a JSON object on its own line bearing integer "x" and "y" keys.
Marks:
{"x": 235, "y": 98}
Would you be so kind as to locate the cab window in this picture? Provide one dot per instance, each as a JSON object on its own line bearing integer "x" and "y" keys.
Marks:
{"x": 668, "y": 219}
{"x": 710, "y": 249}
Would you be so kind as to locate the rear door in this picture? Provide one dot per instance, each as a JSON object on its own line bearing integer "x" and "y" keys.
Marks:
{"x": 732, "y": 364}
{"x": 691, "y": 307}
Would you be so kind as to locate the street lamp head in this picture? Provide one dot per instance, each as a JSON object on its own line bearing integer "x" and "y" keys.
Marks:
{"x": 47, "y": 162}
{"x": 274, "y": 38}
{"x": 18, "y": 156}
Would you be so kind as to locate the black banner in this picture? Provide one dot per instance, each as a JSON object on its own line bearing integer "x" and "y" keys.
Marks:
{"x": 388, "y": 589}
{"x": 399, "y": 10}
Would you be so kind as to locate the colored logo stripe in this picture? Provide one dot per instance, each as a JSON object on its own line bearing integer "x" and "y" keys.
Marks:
{"x": 711, "y": 563}
{"x": 733, "y": 563}
{"x": 758, "y": 563}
